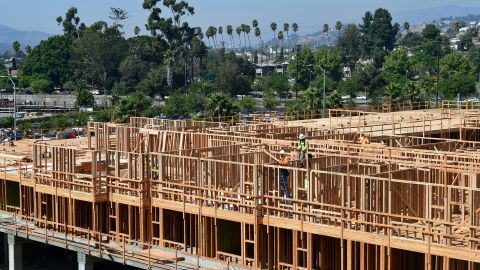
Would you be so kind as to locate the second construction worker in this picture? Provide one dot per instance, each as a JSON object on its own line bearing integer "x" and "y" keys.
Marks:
{"x": 284, "y": 175}
{"x": 302, "y": 148}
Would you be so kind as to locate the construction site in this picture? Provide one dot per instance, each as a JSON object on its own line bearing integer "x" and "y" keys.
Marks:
{"x": 377, "y": 190}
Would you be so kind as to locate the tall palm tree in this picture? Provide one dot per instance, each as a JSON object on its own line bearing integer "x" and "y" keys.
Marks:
{"x": 239, "y": 33}
{"x": 208, "y": 34}
{"x": 247, "y": 31}
{"x": 258, "y": 34}
{"x": 220, "y": 32}
{"x": 230, "y": 34}
{"x": 326, "y": 28}
{"x": 281, "y": 37}
{"x": 16, "y": 47}
{"x": 286, "y": 29}
{"x": 457, "y": 26}
{"x": 406, "y": 26}
{"x": 255, "y": 23}
{"x": 214, "y": 35}
{"x": 273, "y": 26}
{"x": 295, "y": 27}
{"x": 243, "y": 28}
{"x": 338, "y": 26}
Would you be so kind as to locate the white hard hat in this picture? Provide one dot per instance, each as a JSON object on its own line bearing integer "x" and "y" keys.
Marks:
{"x": 282, "y": 152}
{"x": 302, "y": 136}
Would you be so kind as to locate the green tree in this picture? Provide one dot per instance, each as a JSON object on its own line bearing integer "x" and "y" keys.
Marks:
{"x": 452, "y": 63}
{"x": 173, "y": 31}
{"x": 371, "y": 79}
{"x": 334, "y": 101}
{"x": 218, "y": 104}
{"x": 349, "y": 45}
{"x": 16, "y": 47}
{"x": 132, "y": 71}
{"x": 350, "y": 86}
{"x": 41, "y": 85}
{"x": 71, "y": 23}
{"x": 306, "y": 60}
{"x": 132, "y": 105}
{"x": 397, "y": 66}
{"x": 330, "y": 60}
{"x": 154, "y": 84}
{"x": 457, "y": 83}
{"x": 312, "y": 98}
{"x": 278, "y": 83}
{"x": 246, "y": 105}
{"x": 270, "y": 101}
{"x": 97, "y": 55}
{"x": 50, "y": 58}
{"x": 393, "y": 92}
{"x": 85, "y": 98}
{"x": 427, "y": 85}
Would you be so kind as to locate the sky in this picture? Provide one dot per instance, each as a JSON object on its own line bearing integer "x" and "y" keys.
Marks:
{"x": 309, "y": 14}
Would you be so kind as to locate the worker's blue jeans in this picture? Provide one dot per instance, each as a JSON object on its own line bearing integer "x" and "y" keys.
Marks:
{"x": 284, "y": 183}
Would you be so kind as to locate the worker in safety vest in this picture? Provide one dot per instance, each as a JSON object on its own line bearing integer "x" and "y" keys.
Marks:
{"x": 284, "y": 174}
{"x": 302, "y": 148}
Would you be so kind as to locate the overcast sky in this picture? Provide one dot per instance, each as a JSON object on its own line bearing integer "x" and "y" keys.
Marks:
{"x": 309, "y": 14}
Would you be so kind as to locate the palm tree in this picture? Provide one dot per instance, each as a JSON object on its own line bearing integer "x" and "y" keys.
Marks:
{"x": 273, "y": 26}
{"x": 28, "y": 50}
{"x": 230, "y": 34}
{"x": 16, "y": 47}
{"x": 247, "y": 31}
{"x": 281, "y": 37}
{"x": 457, "y": 26}
{"x": 258, "y": 34}
{"x": 220, "y": 31}
{"x": 255, "y": 24}
{"x": 214, "y": 35}
{"x": 406, "y": 26}
{"x": 239, "y": 33}
{"x": 338, "y": 26}
{"x": 295, "y": 27}
{"x": 326, "y": 28}
{"x": 209, "y": 34}
{"x": 286, "y": 29}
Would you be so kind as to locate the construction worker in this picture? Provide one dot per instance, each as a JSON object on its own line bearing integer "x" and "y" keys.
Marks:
{"x": 302, "y": 148}
{"x": 284, "y": 174}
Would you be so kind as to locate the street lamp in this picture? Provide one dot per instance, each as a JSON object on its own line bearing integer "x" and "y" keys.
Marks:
{"x": 14, "y": 105}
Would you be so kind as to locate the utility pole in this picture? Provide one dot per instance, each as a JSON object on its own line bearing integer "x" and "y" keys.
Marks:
{"x": 297, "y": 49}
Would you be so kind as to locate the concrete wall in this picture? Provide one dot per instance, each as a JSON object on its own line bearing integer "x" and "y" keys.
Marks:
{"x": 55, "y": 100}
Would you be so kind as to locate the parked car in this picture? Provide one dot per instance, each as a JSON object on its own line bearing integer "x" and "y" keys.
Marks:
{"x": 346, "y": 97}
{"x": 361, "y": 98}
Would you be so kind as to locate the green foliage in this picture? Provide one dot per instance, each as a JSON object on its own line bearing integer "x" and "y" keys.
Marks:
{"x": 246, "y": 104}
{"x": 453, "y": 63}
{"x": 397, "y": 66}
{"x": 153, "y": 111}
{"x": 349, "y": 45}
{"x": 97, "y": 55}
{"x": 51, "y": 59}
{"x": 60, "y": 121}
{"x": 427, "y": 86}
{"x": 393, "y": 92}
{"x": 350, "y": 86}
{"x": 277, "y": 83}
{"x": 306, "y": 60}
{"x": 218, "y": 104}
{"x": 461, "y": 83}
{"x": 330, "y": 60}
{"x": 132, "y": 105}
{"x": 270, "y": 101}
{"x": 312, "y": 98}
{"x": 133, "y": 70}
{"x": 154, "y": 84}
{"x": 334, "y": 101}
{"x": 378, "y": 35}
{"x": 371, "y": 79}
{"x": 102, "y": 116}
{"x": 40, "y": 85}
{"x": 85, "y": 98}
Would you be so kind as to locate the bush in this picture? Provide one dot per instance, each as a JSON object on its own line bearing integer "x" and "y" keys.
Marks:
{"x": 85, "y": 98}
{"x": 40, "y": 85}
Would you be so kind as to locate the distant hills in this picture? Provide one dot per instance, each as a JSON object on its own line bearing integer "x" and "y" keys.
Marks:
{"x": 9, "y": 35}
{"x": 426, "y": 15}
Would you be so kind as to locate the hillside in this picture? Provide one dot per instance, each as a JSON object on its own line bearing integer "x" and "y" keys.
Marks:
{"x": 9, "y": 35}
